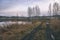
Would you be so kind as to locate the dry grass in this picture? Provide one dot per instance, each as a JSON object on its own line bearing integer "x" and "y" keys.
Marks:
{"x": 16, "y": 31}
{"x": 55, "y": 24}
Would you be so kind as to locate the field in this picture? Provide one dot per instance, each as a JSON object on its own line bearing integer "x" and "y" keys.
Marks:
{"x": 19, "y": 31}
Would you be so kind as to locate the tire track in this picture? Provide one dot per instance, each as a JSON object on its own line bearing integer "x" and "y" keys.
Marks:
{"x": 31, "y": 35}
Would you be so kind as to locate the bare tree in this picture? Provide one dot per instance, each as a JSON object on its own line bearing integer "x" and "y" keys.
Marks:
{"x": 37, "y": 11}
{"x": 29, "y": 11}
{"x": 49, "y": 9}
{"x": 55, "y": 9}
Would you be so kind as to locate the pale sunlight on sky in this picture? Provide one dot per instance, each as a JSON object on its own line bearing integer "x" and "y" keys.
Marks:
{"x": 12, "y": 7}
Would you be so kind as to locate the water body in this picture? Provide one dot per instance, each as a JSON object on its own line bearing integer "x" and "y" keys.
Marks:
{"x": 13, "y": 22}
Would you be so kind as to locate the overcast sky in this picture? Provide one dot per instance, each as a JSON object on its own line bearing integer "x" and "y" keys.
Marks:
{"x": 12, "y": 7}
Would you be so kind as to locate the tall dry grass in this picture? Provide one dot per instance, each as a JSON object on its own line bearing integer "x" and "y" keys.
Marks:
{"x": 17, "y": 31}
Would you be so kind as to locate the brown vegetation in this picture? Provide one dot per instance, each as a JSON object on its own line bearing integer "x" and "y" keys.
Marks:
{"x": 16, "y": 31}
{"x": 55, "y": 24}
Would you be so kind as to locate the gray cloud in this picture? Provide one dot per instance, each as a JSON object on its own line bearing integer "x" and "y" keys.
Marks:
{"x": 8, "y": 3}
